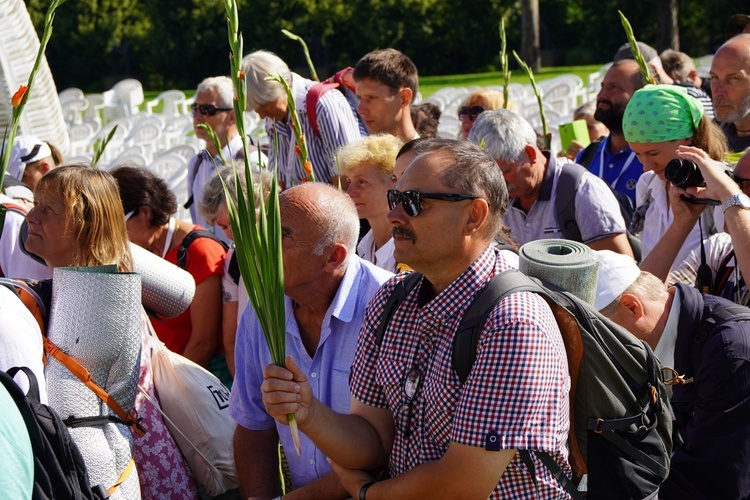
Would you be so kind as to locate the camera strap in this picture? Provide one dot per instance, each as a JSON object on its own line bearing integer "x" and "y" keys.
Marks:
{"x": 704, "y": 276}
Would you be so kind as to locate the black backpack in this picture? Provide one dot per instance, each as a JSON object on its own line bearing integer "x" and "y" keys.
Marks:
{"x": 620, "y": 419}
{"x": 59, "y": 469}
{"x": 182, "y": 253}
{"x": 565, "y": 206}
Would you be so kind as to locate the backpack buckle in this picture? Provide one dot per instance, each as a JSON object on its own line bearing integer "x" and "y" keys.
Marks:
{"x": 598, "y": 428}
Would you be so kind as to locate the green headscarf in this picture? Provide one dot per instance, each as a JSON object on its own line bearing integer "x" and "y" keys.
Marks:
{"x": 661, "y": 113}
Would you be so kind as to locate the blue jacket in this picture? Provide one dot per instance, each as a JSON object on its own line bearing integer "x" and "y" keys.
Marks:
{"x": 712, "y": 413}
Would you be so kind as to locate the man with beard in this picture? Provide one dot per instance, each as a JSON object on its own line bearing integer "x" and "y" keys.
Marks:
{"x": 611, "y": 159}
{"x": 730, "y": 85}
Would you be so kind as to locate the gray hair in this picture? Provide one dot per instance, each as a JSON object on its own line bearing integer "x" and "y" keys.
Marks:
{"x": 587, "y": 108}
{"x": 645, "y": 286}
{"x": 335, "y": 216}
{"x": 504, "y": 134}
{"x": 213, "y": 199}
{"x": 474, "y": 172}
{"x": 221, "y": 86}
{"x": 258, "y": 66}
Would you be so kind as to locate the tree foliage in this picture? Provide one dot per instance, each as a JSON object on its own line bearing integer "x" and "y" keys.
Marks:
{"x": 177, "y": 43}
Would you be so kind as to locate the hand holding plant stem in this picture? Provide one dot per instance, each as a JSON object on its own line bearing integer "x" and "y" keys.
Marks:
{"x": 530, "y": 74}
{"x": 257, "y": 239}
{"x": 21, "y": 96}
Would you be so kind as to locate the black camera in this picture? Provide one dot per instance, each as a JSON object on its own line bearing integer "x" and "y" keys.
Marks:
{"x": 684, "y": 174}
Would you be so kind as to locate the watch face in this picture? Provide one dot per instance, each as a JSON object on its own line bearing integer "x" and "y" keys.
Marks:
{"x": 743, "y": 200}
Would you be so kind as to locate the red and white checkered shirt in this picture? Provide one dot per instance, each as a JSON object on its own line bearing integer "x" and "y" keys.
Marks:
{"x": 516, "y": 395}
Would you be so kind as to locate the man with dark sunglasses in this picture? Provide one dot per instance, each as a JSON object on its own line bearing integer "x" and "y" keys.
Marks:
{"x": 441, "y": 438}
{"x": 535, "y": 179}
{"x": 213, "y": 107}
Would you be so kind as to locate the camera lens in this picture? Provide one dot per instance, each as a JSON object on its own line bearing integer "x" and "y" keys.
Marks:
{"x": 683, "y": 173}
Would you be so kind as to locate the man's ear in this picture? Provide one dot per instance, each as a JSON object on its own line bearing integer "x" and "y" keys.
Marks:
{"x": 406, "y": 95}
{"x": 531, "y": 153}
{"x": 45, "y": 167}
{"x": 479, "y": 211}
{"x": 337, "y": 256}
{"x": 632, "y": 304}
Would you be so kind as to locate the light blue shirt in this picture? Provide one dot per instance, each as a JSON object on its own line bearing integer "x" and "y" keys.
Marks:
{"x": 16, "y": 457}
{"x": 328, "y": 370}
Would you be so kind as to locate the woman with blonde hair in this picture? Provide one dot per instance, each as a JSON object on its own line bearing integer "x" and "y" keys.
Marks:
{"x": 368, "y": 166}
{"x": 474, "y": 104}
{"x": 78, "y": 220}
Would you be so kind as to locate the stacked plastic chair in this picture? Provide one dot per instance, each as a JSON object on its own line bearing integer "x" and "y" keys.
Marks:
{"x": 19, "y": 43}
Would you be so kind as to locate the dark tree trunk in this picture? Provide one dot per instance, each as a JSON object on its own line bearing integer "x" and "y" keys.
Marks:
{"x": 530, "y": 51}
{"x": 668, "y": 30}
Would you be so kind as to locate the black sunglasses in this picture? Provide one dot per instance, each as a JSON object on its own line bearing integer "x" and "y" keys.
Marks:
{"x": 470, "y": 112}
{"x": 410, "y": 386}
{"x": 412, "y": 200}
{"x": 207, "y": 109}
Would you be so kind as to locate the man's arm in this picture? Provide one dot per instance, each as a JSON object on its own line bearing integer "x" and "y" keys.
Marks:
{"x": 720, "y": 186}
{"x": 463, "y": 472}
{"x": 617, "y": 243}
{"x": 327, "y": 487}
{"x": 256, "y": 455}
{"x": 360, "y": 440}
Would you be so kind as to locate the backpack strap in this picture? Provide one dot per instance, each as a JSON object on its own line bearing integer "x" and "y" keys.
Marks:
{"x": 469, "y": 329}
{"x": 311, "y": 101}
{"x": 4, "y": 207}
{"x": 130, "y": 419}
{"x": 234, "y": 268}
{"x": 565, "y": 200}
{"x": 402, "y": 289}
{"x": 182, "y": 252}
{"x": 588, "y": 154}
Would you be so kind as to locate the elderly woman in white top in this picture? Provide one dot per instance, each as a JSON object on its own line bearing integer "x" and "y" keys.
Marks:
{"x": 368, "y": 167}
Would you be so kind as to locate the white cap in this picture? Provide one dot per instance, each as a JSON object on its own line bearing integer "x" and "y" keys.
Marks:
{"x": 616, "y": 273}
{"x": 26, "y": 149}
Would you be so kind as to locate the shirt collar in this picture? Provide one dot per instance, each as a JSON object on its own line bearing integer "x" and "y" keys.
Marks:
{"x": 665, "y": 347}
{"x": 457, "y": 295}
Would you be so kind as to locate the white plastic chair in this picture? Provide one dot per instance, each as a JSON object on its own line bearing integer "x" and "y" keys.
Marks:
{"x": 147, "y": 136}
{"x": 73, "y": 110}
{"x": 187, "y": 151}
{"x": 70, "y": 94}
{"x": 129, "y": 92}
{"x": 80, "y": 138}
{"x": 172, "y": 102}
{"x": 166, "y": 165}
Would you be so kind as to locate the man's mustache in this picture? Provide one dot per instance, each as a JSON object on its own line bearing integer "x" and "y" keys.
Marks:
{"x": 402, "y": 231}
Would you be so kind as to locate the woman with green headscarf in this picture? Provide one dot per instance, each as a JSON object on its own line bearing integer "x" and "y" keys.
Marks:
{"x": 659, "y": 119}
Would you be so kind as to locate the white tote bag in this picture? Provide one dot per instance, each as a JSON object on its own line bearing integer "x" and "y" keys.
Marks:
{"x": 195, "y": 407}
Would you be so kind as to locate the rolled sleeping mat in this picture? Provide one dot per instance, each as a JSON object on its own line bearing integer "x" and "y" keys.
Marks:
{"x": 95, "y": 317}
{"x": 166, "y": 289}
{"x": 567, "y": 264}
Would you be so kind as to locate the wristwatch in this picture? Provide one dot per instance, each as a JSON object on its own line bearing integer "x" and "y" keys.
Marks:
{"x": 740, "y": 199}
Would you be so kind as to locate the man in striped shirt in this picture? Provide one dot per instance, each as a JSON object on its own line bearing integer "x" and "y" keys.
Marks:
{"x": 337, "y": 122}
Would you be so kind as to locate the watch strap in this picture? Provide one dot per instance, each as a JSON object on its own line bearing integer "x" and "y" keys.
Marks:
{"x": 364, "y": 488}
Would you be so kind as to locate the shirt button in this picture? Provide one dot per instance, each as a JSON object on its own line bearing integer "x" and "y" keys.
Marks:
{"x": 314, "y": 375}
{"x": 611, "y": 165}
{"x": 311, "y": 461}
{"x": 528, "y": 224}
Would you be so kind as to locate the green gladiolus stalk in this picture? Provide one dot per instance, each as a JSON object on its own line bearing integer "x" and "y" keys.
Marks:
{"x": 214, "y": 139}
{"x": 100, "y": 146}
{"x": 634, "y": 48}
{"x": 301, "y": 41}
{"x": 504, "y": 64}
{"x": 530, "y": 74}
{"x": 257, "y": 239}
{"x": 301, "y": 148}
{"x": 21, "y": 96}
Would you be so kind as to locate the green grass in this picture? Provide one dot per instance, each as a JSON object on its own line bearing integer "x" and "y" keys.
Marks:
{"x": 428, "y": 85}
